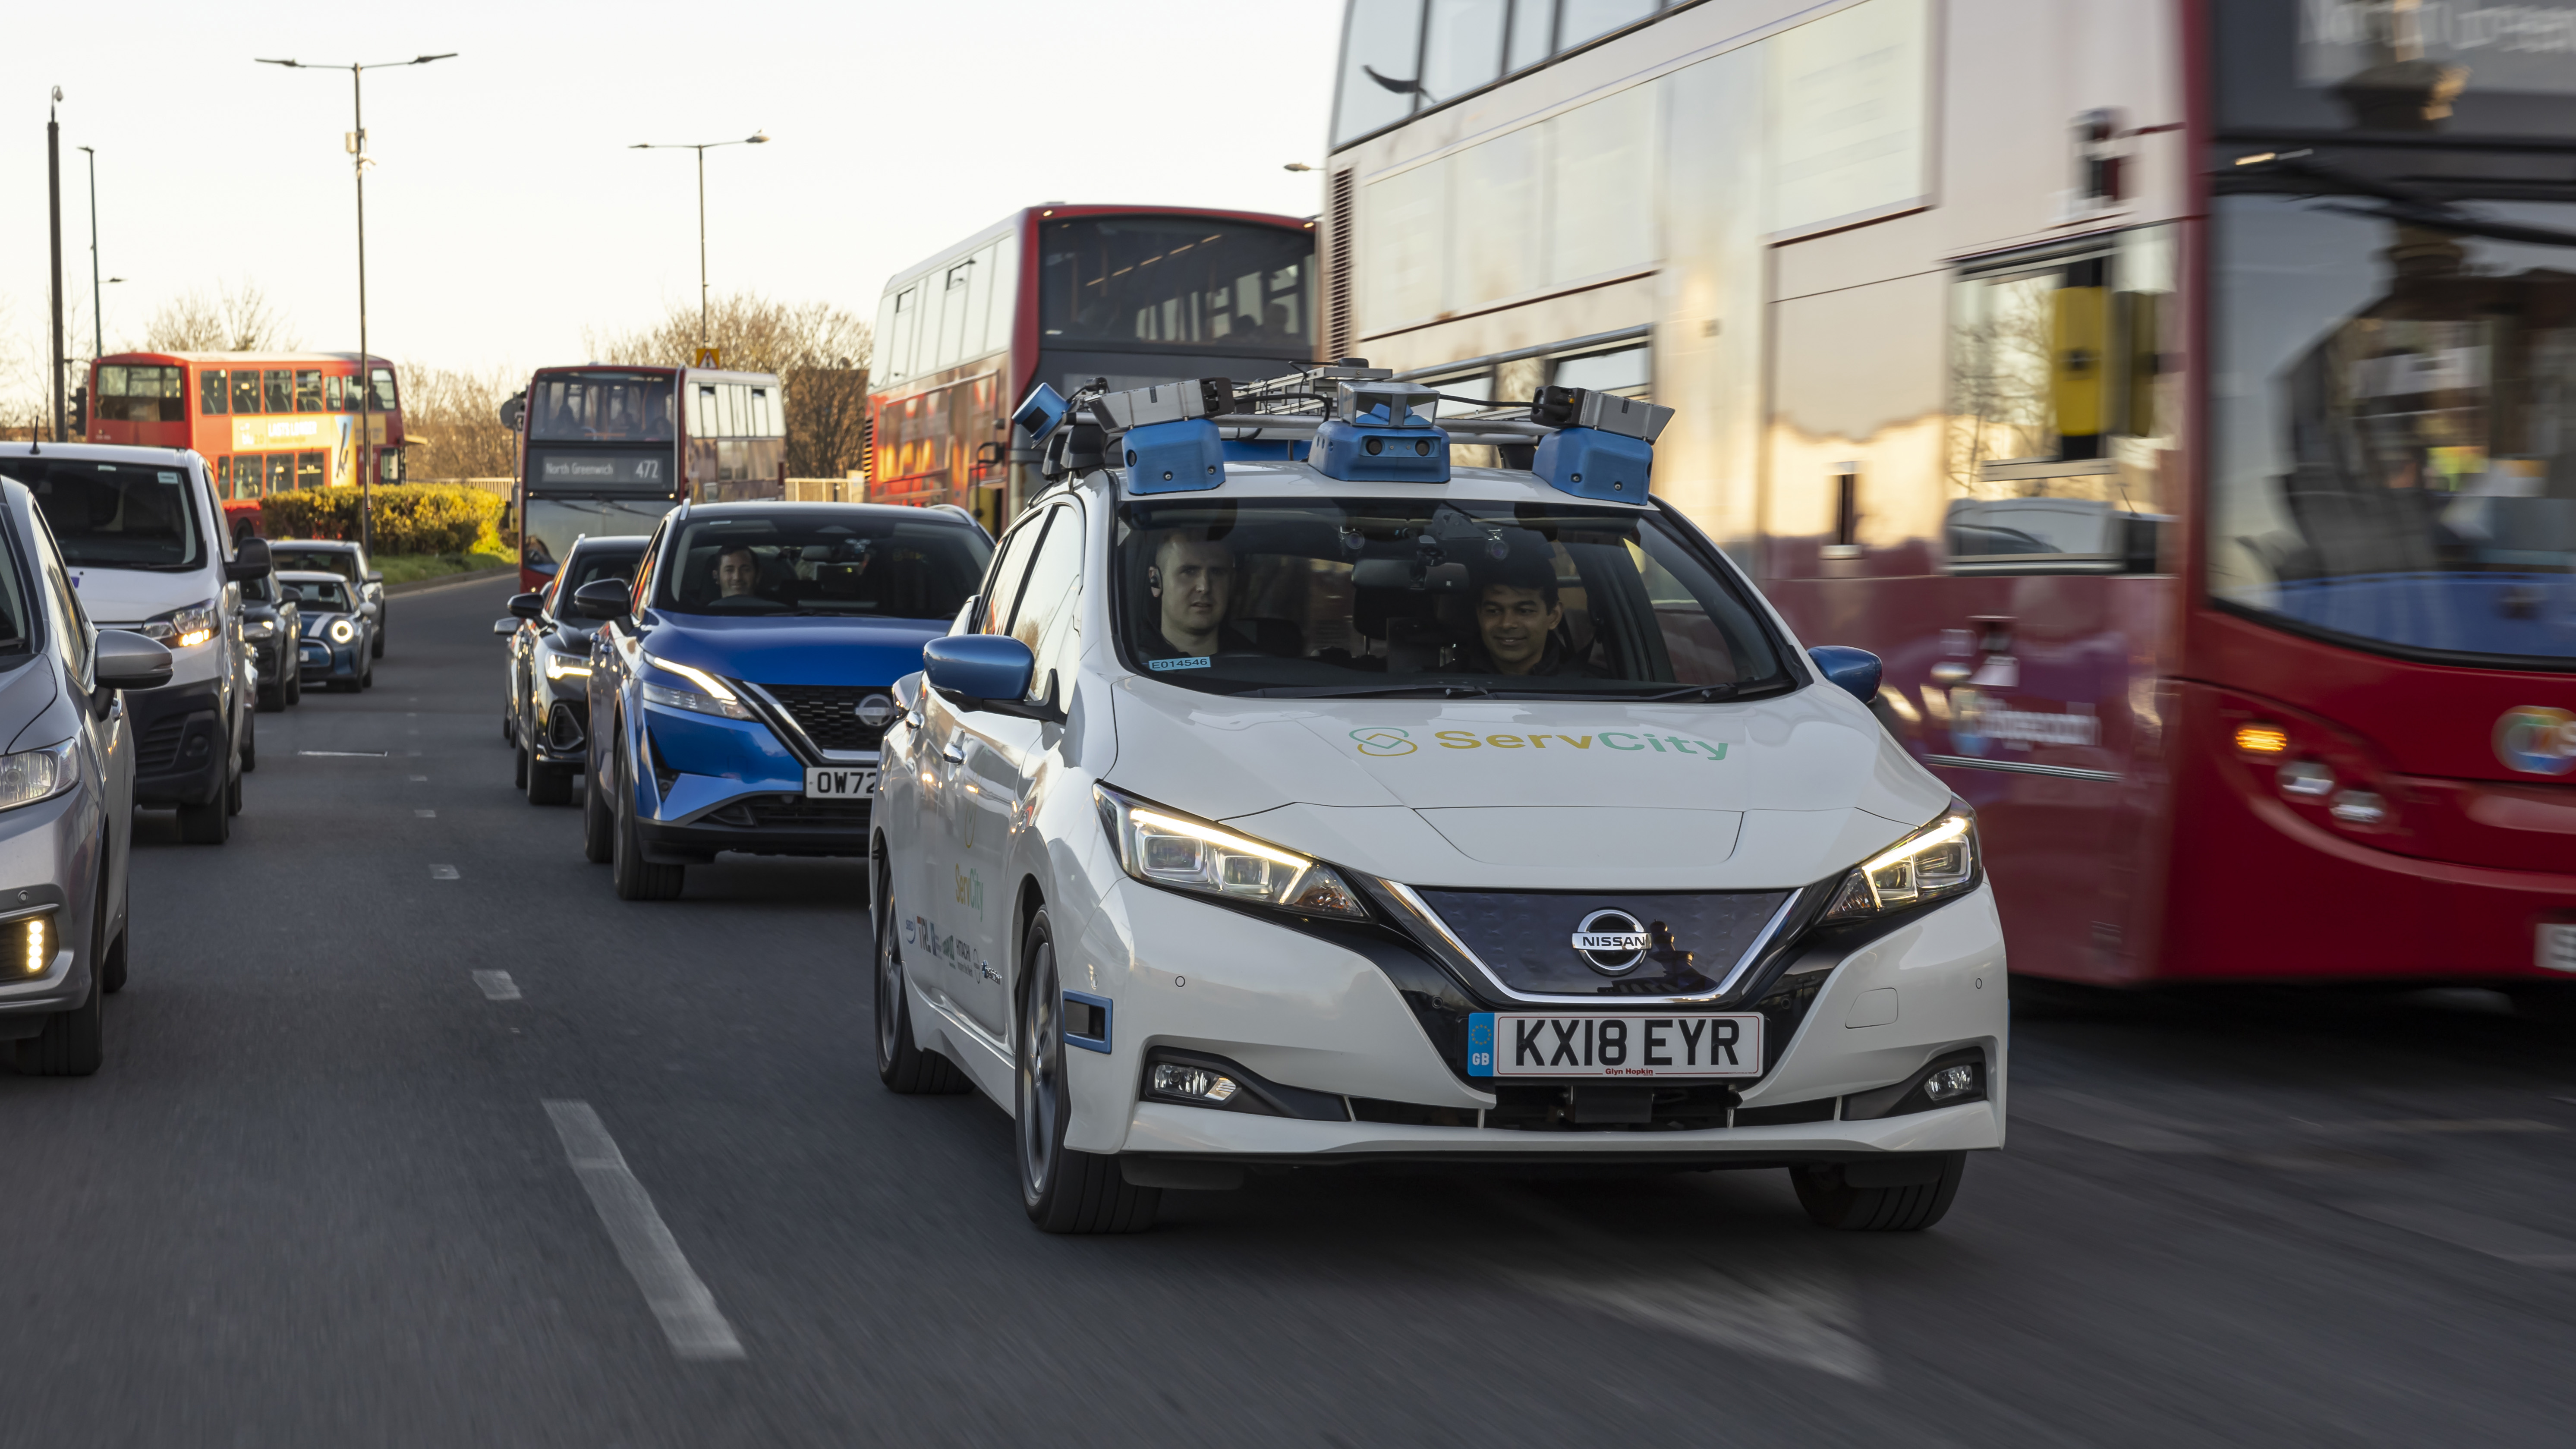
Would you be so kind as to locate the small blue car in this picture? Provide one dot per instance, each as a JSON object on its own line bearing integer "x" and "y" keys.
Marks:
{"x": 740, "y": 685}
{"x": 337, "y": 648}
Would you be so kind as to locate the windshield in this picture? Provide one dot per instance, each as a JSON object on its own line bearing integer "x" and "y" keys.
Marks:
{"x": 600, "y": 407}
{"x": 823, "y": 562}
{"x": 1174, "y": 279}
{"x": 114, "y": 515}
{"x": 552, "y": 524}
{"x": 590, "y": 565}
{"x": 2395, "y": 422}
{"x": 341, "y": 561}
{"x": 328, "y": 596}
{"x": 1368, "y": 596}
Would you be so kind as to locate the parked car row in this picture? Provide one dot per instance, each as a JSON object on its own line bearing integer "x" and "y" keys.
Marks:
{"x": 138, "y": 642}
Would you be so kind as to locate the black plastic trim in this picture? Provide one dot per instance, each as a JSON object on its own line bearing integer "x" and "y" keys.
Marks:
{"x": 1260, "y": 1095}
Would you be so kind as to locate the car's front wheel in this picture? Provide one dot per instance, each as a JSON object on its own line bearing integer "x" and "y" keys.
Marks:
{"x": 636, "y": 878}
{"x": 1064, "y": 1191}
{"x": 1902, "y": 1193}
{"x": 903, "y": 1066}
{"x": 598, "y": 824}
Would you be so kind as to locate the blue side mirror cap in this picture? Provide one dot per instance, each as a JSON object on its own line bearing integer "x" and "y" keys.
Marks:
{"x": 1856, "y": 670}
{"x": 976, "y": 668}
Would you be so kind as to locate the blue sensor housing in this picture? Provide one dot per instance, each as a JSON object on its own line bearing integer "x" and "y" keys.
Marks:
{"x": 1366, "y": 452}
{"x": 1043, "y": 409}
{"x": 1591, "y": 463}
{"x": 1177, "y": 457}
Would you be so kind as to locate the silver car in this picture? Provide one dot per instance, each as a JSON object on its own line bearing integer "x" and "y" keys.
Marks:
{"x": 66, "y": 800}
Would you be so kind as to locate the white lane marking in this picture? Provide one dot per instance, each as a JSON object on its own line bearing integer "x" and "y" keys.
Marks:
{"x": 420, "y": 779}
{"x": 671, "y": 1288}
{"x": 2492, "y": 1236}
{"x": 343, "y": 754}
{"x": 442, "y": 872}
{"x": 426, "y": 814}
{"x": 497, "y": 985}
{"x": 1801, "y": 1313}
{"x": 2426, "y": 1125}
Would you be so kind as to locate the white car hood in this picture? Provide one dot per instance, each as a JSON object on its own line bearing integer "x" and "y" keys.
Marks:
{"x": 114, "y": 597}
{"x": 1530, "y": 794}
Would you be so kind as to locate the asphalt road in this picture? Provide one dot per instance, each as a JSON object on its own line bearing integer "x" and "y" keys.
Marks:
{"x": 319, "y": 1197}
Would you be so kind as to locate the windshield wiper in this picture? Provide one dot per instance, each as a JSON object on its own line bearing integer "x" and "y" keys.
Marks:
{"x": 1336, "y": 691}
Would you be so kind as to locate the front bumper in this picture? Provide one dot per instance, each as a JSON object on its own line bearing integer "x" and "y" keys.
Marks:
{"x": 1347, "y": 1022}
{"x": 181, "y": 756}
{"x": 49, "y": 856}
{"x": 723, "y": 784}
{"x": 322, "y": 659}
{"x": 266, "y": 655}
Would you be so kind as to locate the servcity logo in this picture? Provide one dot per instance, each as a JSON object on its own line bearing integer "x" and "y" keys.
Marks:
{"x": 1387, "y": 742}
{"x": 2537, "y": 740}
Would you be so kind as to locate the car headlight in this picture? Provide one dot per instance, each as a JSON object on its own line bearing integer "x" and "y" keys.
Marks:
{"x": 564, "y": 666}
{"x": 342, "y": 631}
{"x": 32, "y": 775}
{"x": 258, "y": 628}
{"x": 712, "y": 695}
{"x": 1165, "y": 848}
{"x": 1938, "y": 860}
{"x": 181, "y": 628}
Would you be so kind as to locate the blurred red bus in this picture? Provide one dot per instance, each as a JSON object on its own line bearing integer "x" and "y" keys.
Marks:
{"x": 264, "y": 422}
{"x": 606, "y": 450}
{"x": 2179, "y": 397}
{"x": 1063, "y": 294}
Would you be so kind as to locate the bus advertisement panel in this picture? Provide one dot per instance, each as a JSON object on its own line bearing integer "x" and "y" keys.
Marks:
{"x": 265, "y": 422}
{"x": 608, "y": 450}
{"x": 2193, "y": 436}
{"x": 1064, "y": 294}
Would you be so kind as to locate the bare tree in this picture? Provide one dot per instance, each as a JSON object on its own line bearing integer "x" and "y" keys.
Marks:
{"x": 452, "y": 420}
{"x": 819, "y": 351}
{"x": 234, "y": 319}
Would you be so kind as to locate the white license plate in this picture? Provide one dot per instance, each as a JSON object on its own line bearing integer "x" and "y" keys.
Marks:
{"x": 840, "y": 782}
{"x": 2557, "y": 948}
{"x": 1531, "y": 1044}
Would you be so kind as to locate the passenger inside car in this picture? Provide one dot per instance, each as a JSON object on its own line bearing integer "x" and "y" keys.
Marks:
{"x": 1192, "y": 581}
{"x": 1518, "y": 622}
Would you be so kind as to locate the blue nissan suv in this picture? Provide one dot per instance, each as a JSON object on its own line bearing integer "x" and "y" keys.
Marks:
{"x": 739, "y": 685}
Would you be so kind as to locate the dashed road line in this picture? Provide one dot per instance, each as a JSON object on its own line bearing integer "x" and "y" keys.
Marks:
{"x": 442, "y": 872}
{"x": 672, "y": 1289}
{"x": 343, "y": 754}
{"x": 497, "y": 985}
{"x": 426, "y": 814}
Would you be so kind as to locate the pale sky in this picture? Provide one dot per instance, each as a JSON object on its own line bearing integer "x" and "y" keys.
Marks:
{"x": 505, "y": 214}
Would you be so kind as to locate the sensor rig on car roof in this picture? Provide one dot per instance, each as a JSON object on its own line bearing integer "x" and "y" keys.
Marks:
{"x": 1351, "y": 421}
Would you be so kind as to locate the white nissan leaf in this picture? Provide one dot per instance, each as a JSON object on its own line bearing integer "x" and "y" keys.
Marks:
{"x": 1290, "y": 798}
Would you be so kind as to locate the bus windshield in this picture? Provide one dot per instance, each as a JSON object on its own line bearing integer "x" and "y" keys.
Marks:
{"x": 1318, "y": 598}
{"x": 114, "y": 515}
{"x": 2395, "y": 420}
{"x": 553, "y": 524}
{"x": 600, "y": 407}
{"x": 1174, "y": 279}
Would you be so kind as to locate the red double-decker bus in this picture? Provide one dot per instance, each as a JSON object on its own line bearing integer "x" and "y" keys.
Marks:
{"x": 2180, "y": 398}
{"x": 1063, "y": 294}
{"x": 264, "y": 422}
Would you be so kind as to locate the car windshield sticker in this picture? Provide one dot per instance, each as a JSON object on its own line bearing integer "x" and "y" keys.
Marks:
{"x": 1161, "y": 665}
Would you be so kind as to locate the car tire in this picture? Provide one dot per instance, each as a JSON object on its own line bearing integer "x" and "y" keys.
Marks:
{"x": 376, "y": 650}
{"x": 250, "y": 742}
{"x": 233, "y": 796}
{"x": 598, "y": 826}
{"x": 367, "y": 679}
{"x": 903, "y": 1066}
{"x": 210, "y": 823}
{"x": 272, "y": 697}
{"x": 1832, "y": 1201}
{"x": 636, "y": 878}
{"x": 295, "y": 687}
{"x": 1064, "y": 1191}
{"x": 509, "y": 726}
{"x": 546, "y": 784}
{"x": 519, "y": 767}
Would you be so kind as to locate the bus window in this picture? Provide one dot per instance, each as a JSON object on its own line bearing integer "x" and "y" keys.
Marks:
{"x": 214, "y": 396}
{"x": 308, "y": 470}
{"x": 246, "y": 391}
{"x": 334, "y": 389}
{"x": 1170, "y": 279}
{"x": 308, "y": 390}
{"x": 281, "y": 472}
{"x": 277, "y": 391}
{"x": 385, "y": 399}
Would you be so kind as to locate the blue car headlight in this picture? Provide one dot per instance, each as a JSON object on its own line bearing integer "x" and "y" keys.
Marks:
{"x": 711, "y": 696}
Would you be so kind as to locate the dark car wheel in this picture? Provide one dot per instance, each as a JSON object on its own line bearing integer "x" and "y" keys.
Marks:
{"x": 901, "y": 1065}
{"x": 367, "y": 677}
{"x": 1064, "y": 1191}
{"x": 377, "y": 649}
{"x": 232, "y": 796}
{"x": 294, "y": 686}
{"x": 1904, "y": 1194}
{"x": 272, "y": 697}
{"x": 250, "y": 742}
{"x": 111, "y": 967}
{"x": 210, "y": 823}
{"x": 519, "y": 767}
{"x": 546, "y": 784}
{"x": 636, "y": 878}
{"x": 598, "y": 826}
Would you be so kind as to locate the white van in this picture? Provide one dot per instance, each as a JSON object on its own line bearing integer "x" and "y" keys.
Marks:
{"x": 148, "y": 551}
{"x": 1338, "y": 805}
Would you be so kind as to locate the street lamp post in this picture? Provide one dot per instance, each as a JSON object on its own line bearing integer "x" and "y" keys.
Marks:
{"x": 366, "y": 361}
{"x": 97, "y": 313}
{"x": 756, "y": 138}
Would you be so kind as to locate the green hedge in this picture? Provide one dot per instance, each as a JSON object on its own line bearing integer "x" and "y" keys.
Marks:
{"x": 410, "y": 517}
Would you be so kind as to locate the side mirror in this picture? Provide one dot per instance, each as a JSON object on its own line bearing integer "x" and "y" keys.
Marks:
{"x": 375, "y": 576}
{"x": 250, "y": 561}
{"x": 986, "y": 672}
{"x": 1856, "y": 670}
{"x": 528, "y": 606}
{"x": 505, "y": 626}
{"x": 127, "y": 660}
{"x": 600, "y": 599}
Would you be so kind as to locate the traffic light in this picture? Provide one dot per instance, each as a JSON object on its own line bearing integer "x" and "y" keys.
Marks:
{"x": 80, "y": 412}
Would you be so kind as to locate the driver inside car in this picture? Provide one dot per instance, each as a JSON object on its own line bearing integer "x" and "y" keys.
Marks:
{"x": 737, "y": 571}
{"x": 1192, "y": 580}
{"x": 1517, "y": 614}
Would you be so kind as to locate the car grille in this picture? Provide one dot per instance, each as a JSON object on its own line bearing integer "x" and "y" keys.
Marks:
{"x": 828, "y": 713}
{"x": 1526, "y": 937}
{"x": 158, "y": 750}
{"x": 789, "y": 811}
